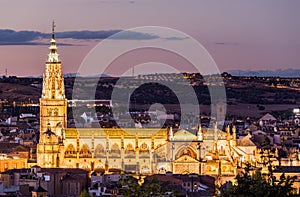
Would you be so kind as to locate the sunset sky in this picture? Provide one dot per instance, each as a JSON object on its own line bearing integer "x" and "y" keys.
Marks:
{"x": 246, "y": 35}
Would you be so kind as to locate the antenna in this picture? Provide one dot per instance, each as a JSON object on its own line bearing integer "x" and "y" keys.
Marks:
{"x": 53, "y": 27}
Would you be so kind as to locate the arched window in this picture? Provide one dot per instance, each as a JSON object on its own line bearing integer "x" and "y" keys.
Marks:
{"x": 49, "y": 112}
{"x": 85, "y": 151}
{"x": 208, "y": 168}
{"x": 162, "y": 170}
{"x": 129, "y": 151}
{"x": 115, "y": 151}
{"x": 144, "y": 151}
{"x": 99, "y": 151}
{"x": 222, "y": 151}
{"x": 186, "y": 151}
{"x": 70, "y": 151}
{"x": 145, "y": 169}
{"x": 55, "y": 112}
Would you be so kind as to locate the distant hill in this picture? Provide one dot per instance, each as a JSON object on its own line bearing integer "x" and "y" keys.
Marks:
{"x": 267, "y": 73}
{"x": 78, "y": 74}
{"x": 245, "y": 95}
{"x": 71, "y": 75}
{"x": 15, "y": 91}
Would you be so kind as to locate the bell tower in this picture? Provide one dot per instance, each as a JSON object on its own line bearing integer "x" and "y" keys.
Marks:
{"x": 53, "y": 104}
{"x": 53, "y": 111}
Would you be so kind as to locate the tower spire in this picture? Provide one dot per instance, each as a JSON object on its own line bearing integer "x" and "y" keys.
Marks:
{"x": 53, "y": 110}
{"x": 199, "y": 133}
{"x": 53, "y": 55}
{"x": 53, "y": 27}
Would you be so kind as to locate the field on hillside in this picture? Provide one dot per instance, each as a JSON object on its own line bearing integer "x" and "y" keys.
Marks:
{"x": 246, "y": 96}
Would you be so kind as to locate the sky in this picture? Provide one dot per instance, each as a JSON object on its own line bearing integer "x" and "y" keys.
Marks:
{"x": 245, "y": 35}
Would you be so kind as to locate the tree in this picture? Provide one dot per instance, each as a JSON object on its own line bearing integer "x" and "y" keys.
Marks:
{"x": 255, "y": 183}
{"x": 258, "y": 184}
{"x": 151, "y": 187}
{"x": 132, "y": 188}
{"x": 84, "y": 193}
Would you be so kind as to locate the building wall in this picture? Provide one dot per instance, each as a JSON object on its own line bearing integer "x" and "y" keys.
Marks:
{"x": 112, "y": 148}
{"x": 53, "y": 115}
{"x": 12, "y": 163}
{"x": 138, "y": 150}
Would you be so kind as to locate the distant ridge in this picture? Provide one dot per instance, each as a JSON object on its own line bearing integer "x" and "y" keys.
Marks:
{"x": 292, "y": 73}
{"x": 72, "y": 75}
{"x": 288, "y": 73}
{"x": 78, "y": 75}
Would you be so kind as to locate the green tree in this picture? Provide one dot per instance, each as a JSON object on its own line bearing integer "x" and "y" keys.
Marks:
{"x": 84, "y": 193}
{"x": 257, "y": 184}
{"x": 254, "y": 183}
{"x": 131, "y": 187}
{"x": 151, "y": 187}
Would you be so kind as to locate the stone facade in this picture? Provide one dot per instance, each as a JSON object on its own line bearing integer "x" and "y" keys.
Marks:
{"x": 53, "y": 110}
{"x": 140, "y": 150}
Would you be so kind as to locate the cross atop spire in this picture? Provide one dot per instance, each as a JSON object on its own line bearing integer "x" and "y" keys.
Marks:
{"x": 53, "y": 27}
{"x": 53, "y": 56}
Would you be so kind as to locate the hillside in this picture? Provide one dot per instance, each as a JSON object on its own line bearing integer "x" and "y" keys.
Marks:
{"x": 19, "y": 93}
{"x": 245, "y": 95}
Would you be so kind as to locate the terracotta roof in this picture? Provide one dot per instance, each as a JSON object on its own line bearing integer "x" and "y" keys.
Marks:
{"x": 245, "y": 141}
{"x": 12, "y": 171}
{"x": 6, "y": 147}
{"x": 259, "y": 139}
{"x": 267, "y": 117}
{"x": 100, "y": 132}
{"x": 68, "y": 170}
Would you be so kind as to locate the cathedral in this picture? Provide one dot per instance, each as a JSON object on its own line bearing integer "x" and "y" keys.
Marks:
{"x": 139, "y": 150}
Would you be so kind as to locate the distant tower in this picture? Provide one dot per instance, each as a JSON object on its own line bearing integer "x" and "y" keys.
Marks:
{"x": 228, "y": 132}
{"x": 53, "y": 104}
{"x": 39, "y": 192}
{"x": 53, "y": 110}
{"x": 234, "y": 135}
{"x": 171, "y": 134}
{"x": 199, "y": 133}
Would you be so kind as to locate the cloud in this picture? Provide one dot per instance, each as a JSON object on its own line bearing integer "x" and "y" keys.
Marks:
{"x": 226, "y": 43}
{"x": 177, "y": 38}
{"x": 111, "y": 34}
{"x": 131, "y": 35}
{"x": 11, "y": 37}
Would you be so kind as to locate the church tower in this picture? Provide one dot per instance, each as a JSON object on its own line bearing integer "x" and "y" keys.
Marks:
{"x": 53, "y": 111}
{"x": 53, "y": 104}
